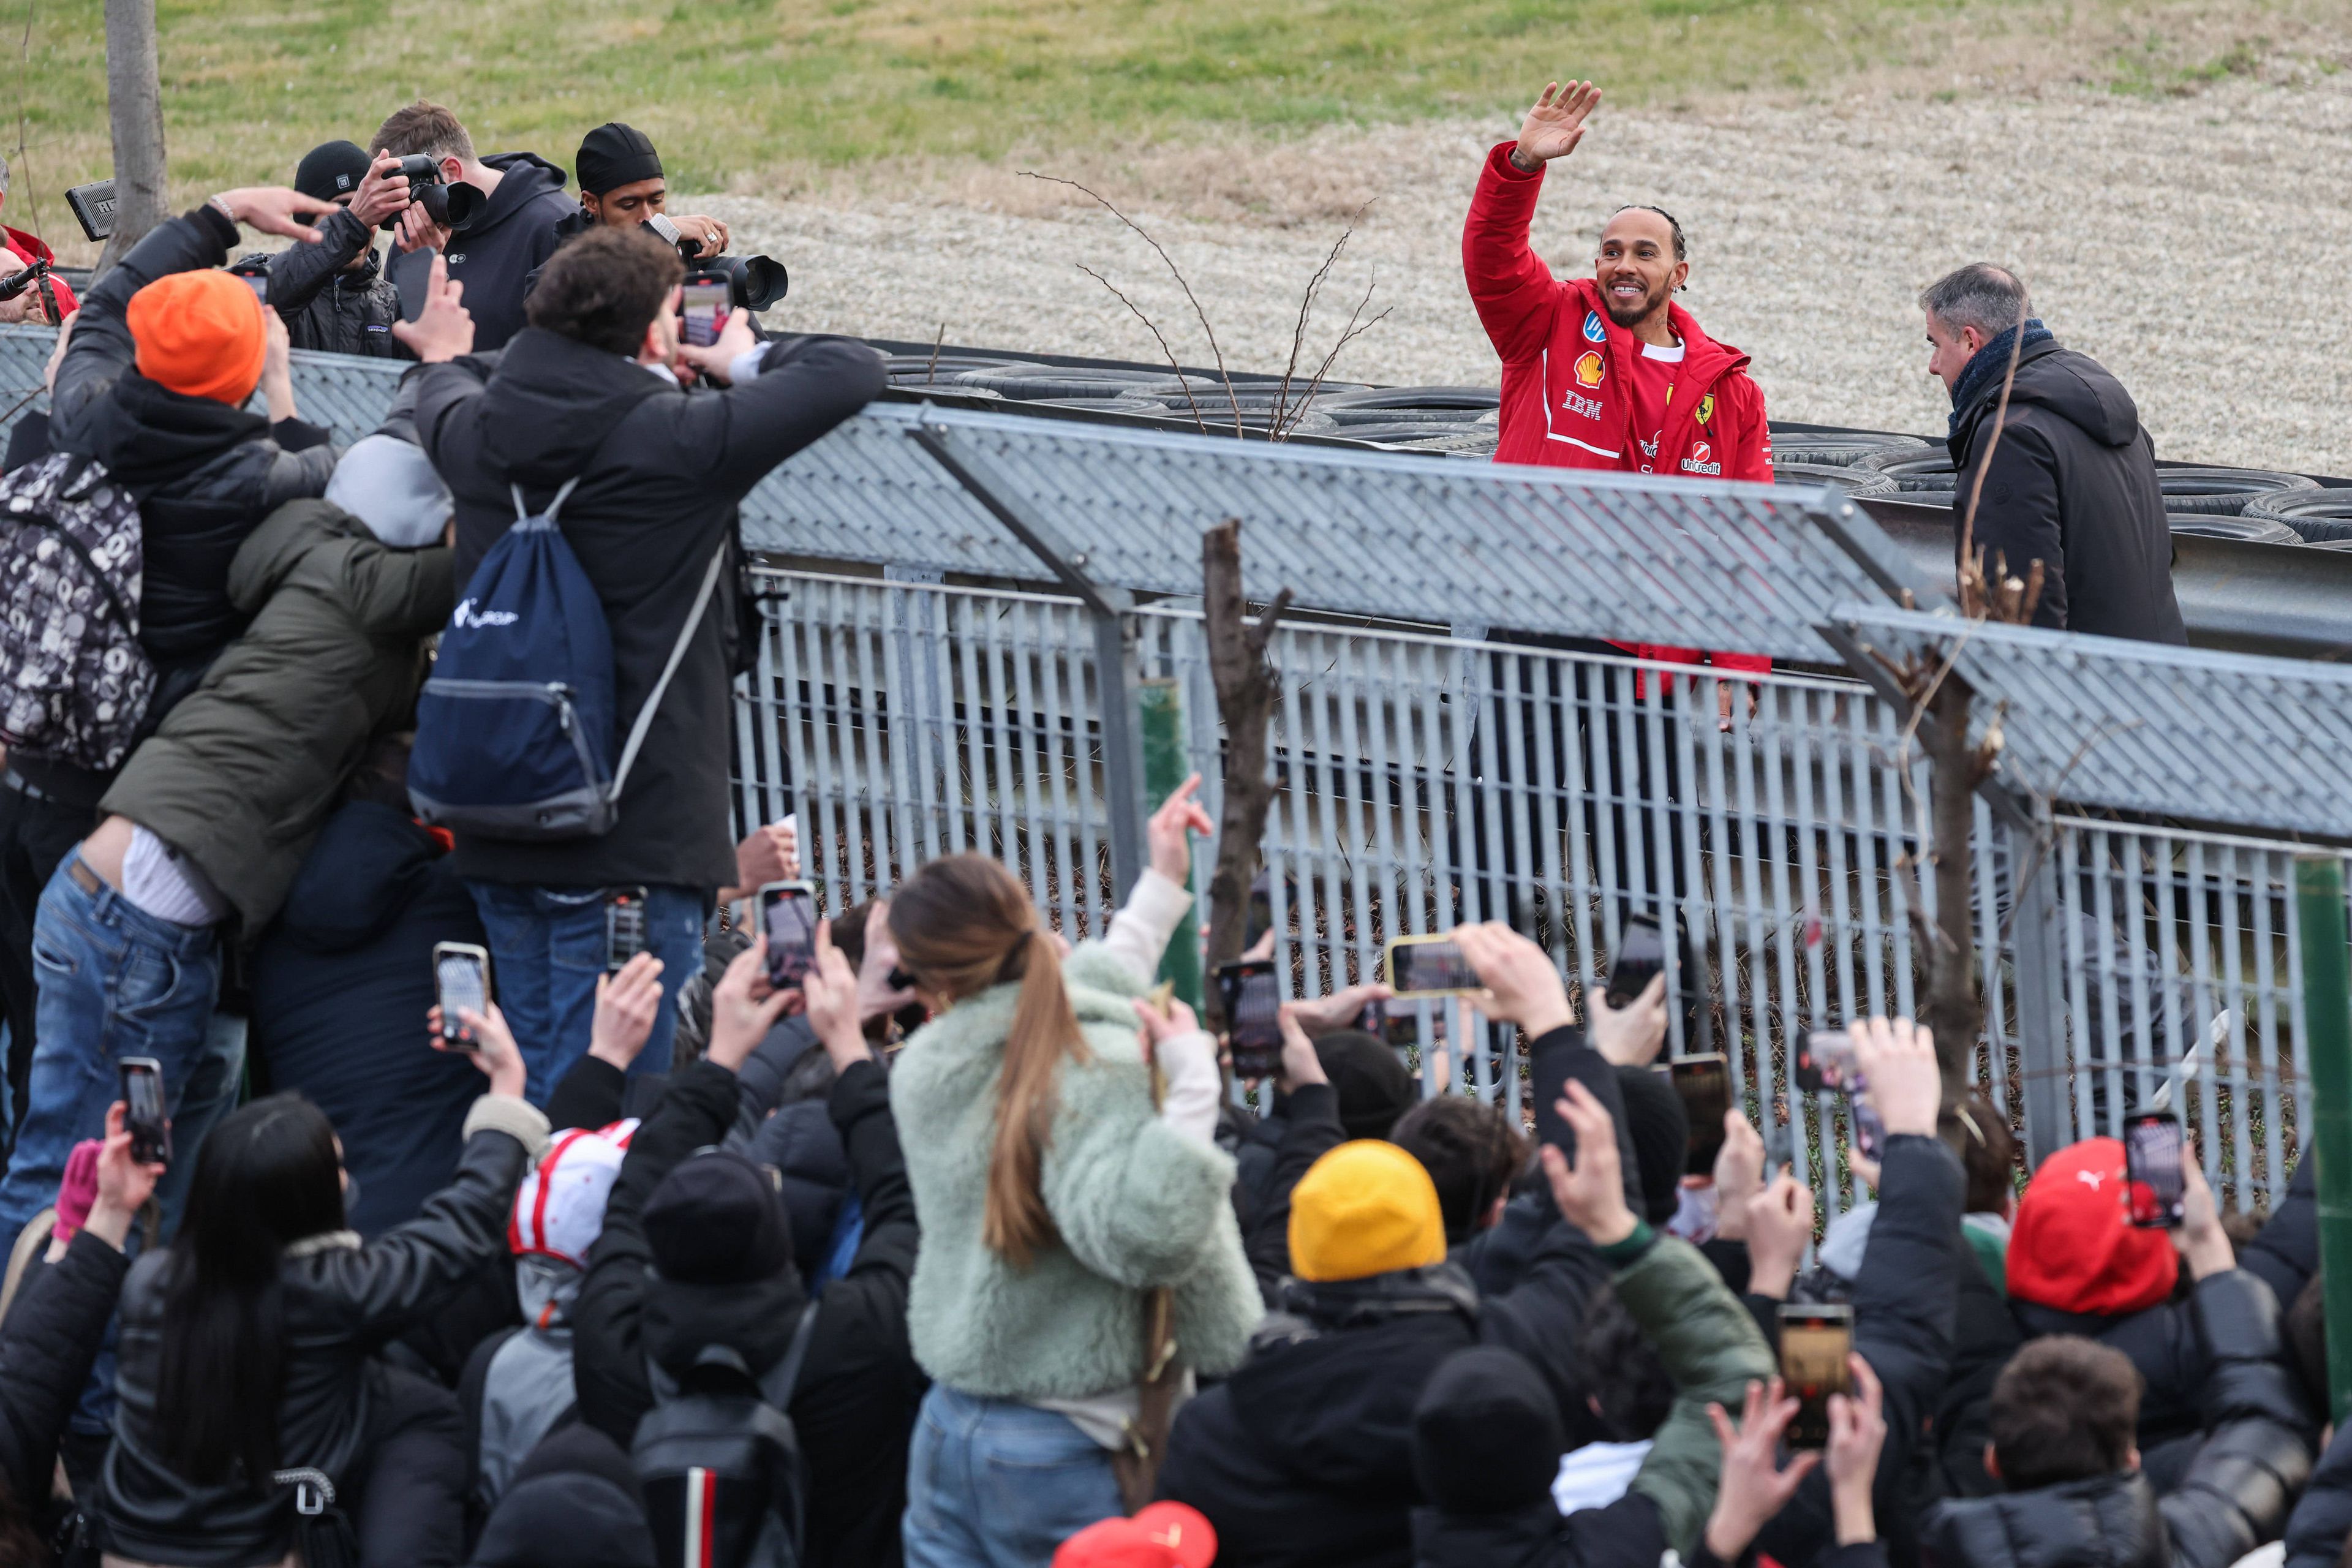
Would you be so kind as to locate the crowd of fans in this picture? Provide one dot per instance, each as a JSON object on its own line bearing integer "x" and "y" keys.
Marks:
{"x": 957, "y": 1250}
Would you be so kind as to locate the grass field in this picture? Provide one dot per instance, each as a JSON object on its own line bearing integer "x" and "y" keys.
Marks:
{"x": 758, "y": 94}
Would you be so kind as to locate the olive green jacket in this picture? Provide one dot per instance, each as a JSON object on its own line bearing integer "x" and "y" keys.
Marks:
{"x": 246, "y": 769}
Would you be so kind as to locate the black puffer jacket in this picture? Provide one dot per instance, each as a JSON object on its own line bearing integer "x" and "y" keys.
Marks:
{"x": 2072, "y": 483}
{"x": 206, "y": 474}
{"x": 853, "y": 1406}
{"x": 52, "y": 1334}
{"x": 2234, "y": 1497}
{"x": 340, "y": 1302}
{"x": 329, "y": 305}
{"x": 2163, "y": 1344}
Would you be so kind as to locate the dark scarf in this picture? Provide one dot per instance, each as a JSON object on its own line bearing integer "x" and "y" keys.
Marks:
{"x": 1990, "y": 365}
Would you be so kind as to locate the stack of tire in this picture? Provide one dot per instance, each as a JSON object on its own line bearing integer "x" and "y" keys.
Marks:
{"x": 2317, "y": 516}
{"x": 1444, "y": 421}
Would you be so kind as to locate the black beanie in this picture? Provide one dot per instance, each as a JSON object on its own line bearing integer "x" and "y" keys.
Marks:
{"x": 716, "y": 1220}
{"x": 614, "y": 155}
{"x": 1660, "y": 1130}
{"x": 575, "y": 1502}
{"x": 1486, "y": 1433}
{"x": 1371, "y": 1079}
{"x": 331, "y": 169}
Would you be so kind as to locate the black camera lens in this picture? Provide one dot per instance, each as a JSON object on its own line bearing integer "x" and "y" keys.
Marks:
{"x": 451, "y": 207}
{"x": 756, "y": 282}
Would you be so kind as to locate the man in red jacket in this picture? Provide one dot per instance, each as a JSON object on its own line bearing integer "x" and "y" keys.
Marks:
{"x": 1605, "y": 371}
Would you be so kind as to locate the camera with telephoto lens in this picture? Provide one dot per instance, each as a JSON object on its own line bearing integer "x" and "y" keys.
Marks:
{"x": 755, "y": 282}
{"x": 448, "y": 204}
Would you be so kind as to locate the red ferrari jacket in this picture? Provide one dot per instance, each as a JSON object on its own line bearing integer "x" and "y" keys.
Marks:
{"x": 29, "y": 250}
{"x": 1566, "y": 366}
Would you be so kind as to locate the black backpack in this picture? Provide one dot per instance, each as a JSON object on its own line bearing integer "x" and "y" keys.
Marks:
{"x": 724, "y": 1481}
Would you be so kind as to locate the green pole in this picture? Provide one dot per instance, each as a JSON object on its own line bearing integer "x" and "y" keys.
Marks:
{"x": 2327, "y": 1016}
{"x": 1165, "y": 767}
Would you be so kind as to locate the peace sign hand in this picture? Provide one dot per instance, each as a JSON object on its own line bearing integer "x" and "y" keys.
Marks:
{"x": 1556, "y": 124}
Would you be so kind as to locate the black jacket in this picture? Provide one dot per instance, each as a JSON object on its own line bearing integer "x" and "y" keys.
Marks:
{"x": 660, "y": 475}
{"x": 1984, "y": 1336}
{"x": 2321, "y": 1522}
{"x": 340, "y": 985}
{"x": 1904, "y": 1305}
{"x": 2235, "y": 1494}
{"x": 2072, "y": 483}
{"x": 1304, "y": 1455}
{"x": 854, "y": 1406}
{"x": 2163, "y": 1344}
{"x": 505, "y": 243}
{"x": 339, "y": 1303}
{"x": 1626, "y": 1535}
{"x": 206, "y": 474}
{"x": 330, "y": 308}
{"x": 53, "y": 1331}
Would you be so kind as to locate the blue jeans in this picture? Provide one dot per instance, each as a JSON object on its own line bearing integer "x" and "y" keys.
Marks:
{"x": 547, "y": 950}
{"x": 115, "y": 982}
{"x": 992, "y": 1484}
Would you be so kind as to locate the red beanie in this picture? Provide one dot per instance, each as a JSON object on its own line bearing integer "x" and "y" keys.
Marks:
{"x": 2073, "y": 1247}
{"x": 200, "y": 334}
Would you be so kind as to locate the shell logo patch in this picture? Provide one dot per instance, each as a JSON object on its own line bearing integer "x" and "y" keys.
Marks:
{"x": 1591, "y": 370}
{"x": 1706, "y": 408}
{"x": 1594, "y": 330}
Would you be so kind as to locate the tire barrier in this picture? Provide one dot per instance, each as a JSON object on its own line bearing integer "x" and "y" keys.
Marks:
{"x": 2245, "y": 530}
{"x": 2317, "y": 516}
{"x": 1846, "y": 481}
{"x": 1842, "y": 449}
{"x": 2223, "y": 492}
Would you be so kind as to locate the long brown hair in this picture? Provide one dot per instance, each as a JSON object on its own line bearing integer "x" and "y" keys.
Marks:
{"x": 964, "y": 924}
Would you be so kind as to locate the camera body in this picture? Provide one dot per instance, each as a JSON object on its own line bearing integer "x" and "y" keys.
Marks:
{"x": 754, "y": 282}
{"x": 448, "y": 204}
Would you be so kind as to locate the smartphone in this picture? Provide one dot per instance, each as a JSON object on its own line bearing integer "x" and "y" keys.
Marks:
{"x": 703, "y": 313}
{"x": 788, "y": 920}
{"x": 1705, "y": 1085}
{"x": 1641, "y": 955}
{"x": 1825, "y": 1062}
{"x": 1869, "y": 1132}
{"x": 625, "y": 925}
{"x": 2154, "y": 1183}
{"x": 1428, "y": 966}
{"x": 143, "y": 1111}
{"x": 1814, "y": 1343}
{"x": 1253, "y": 996}
{"x": 461, "y": 975}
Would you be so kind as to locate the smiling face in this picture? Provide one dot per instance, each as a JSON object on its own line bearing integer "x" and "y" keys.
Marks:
{"x": 1637, "y": 270}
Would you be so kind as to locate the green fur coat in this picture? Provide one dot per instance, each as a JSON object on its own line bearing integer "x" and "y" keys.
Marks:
{"x": 1136, "y": 1205}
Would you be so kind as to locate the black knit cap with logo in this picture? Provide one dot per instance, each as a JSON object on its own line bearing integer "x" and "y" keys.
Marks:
{"x": 331, "y": 169}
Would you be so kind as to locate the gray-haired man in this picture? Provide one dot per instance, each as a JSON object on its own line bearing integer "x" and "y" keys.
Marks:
{"x": 2070, "y": 480}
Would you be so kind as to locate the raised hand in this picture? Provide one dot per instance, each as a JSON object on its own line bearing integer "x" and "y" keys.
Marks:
{"x": 1780, "y": 1227}
{"x": 1857, "y": 1431}
{"x": 1592, "y": 1193}
{"x": 384, "y": 191}
{"x": 1628, "y": 1037}
{"x": 743, "y": 1008}
{"x": 444, "y": 329}
{"x": 493, "y": 1049}
{"x": 830, "y": 990}
{"x": 627, "y": 1003}
{"x": 1556, "y": 124}
{"x": 1301, "y": 1064}
{"x": 1753, "y": 1488}
{"x": 1522, "y": 985}
{"x": 1170, "y": 830}
{"x": 1897, "y": 1059}
{"x": 276, "y": 209}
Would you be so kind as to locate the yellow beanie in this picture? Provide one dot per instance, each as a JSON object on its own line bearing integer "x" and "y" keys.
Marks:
{"x": 1366, "y": 1208}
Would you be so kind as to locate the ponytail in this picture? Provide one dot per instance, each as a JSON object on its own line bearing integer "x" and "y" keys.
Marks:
{"x": 963, "y": 923}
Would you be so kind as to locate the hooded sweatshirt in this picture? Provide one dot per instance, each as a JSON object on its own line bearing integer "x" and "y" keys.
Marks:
{"x": 2071, "y": 483}
{"x": 494, "y": 254}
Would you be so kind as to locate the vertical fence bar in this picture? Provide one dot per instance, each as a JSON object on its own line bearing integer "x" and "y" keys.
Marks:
{"x": 2327, "y": 1012}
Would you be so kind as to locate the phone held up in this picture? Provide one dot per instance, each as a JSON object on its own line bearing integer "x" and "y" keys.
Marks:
{"x": 1703, "y": 1086}
{"x": 788, "y": 920}
{"x": 461, "y": 977}
{"x": 625, "y": 926}
{"x": 2155, "y": 1185}
{"x": 1253, "y": 998}
{"x": 703, "y": 312}
{"x": 1641, "y": 956}
{"x": 1815, "y": 1340}
{"x": 143, "y": 1111}
{"x": 1428, "y": 966}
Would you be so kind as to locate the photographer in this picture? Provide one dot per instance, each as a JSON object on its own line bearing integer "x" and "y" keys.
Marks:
{"x": 621, "y": 186}
{"x": 333, "y": 296}
{"x": 24, "y": 249}
{"x": 495, "y": 250}
{"x": 587, "y": 392}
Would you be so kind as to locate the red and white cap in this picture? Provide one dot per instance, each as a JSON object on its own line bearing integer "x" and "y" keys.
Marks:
{"x": 559, "y": 1210}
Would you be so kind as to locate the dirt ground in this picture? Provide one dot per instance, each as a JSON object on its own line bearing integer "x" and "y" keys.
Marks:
{"x": 2197, "y": 245}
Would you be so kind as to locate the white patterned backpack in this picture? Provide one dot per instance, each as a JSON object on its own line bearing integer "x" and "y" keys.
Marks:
{"x": 74, "y": 680}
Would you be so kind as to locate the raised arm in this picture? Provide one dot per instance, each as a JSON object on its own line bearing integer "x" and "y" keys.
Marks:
{"x": 1514, "y": 292}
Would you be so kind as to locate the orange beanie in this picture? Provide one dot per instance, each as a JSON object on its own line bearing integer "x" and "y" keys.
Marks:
{"x": 200, "y": 334}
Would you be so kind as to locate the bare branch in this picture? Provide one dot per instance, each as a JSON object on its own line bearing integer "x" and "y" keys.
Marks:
{"x": 931, "y": 371}
{"x": 2000, "y": 416}
{"x": 1306, "y": 309}
{"x": 1153, "y": 328}
{"x": 1224, "y": 374}
{"x": 1351, "y": 332}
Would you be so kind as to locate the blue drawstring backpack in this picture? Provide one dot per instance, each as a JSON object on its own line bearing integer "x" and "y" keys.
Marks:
{"x": 514, "y": 729}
